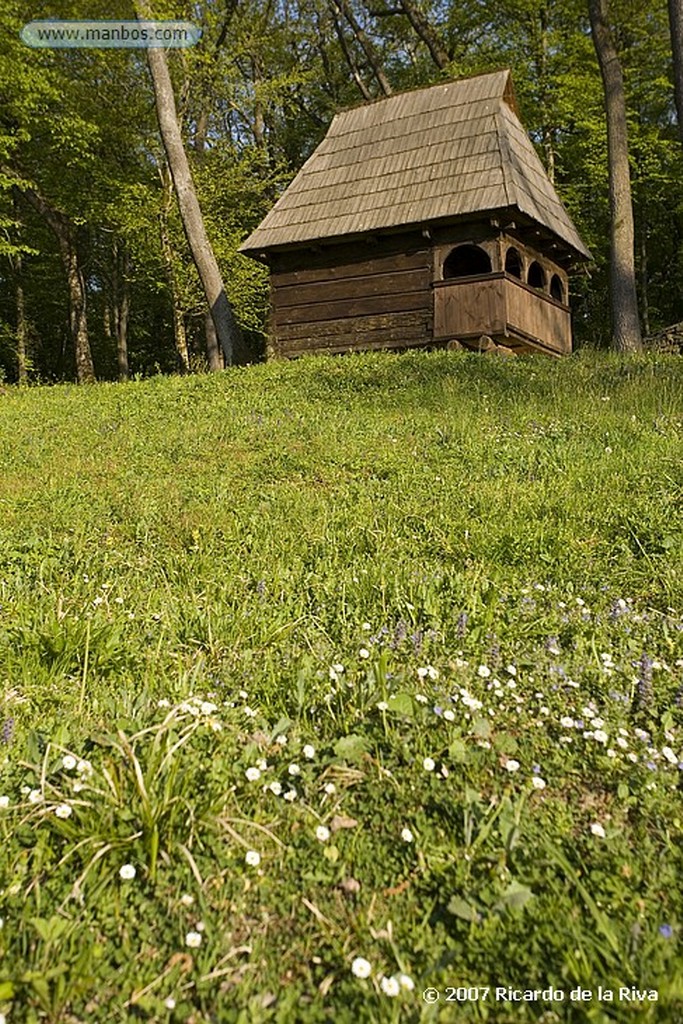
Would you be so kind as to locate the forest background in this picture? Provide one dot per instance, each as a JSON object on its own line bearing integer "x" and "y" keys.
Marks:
{"x": 86, "y": 198}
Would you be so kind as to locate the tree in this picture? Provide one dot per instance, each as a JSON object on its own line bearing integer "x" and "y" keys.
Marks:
{"x": 227, "y": 330}
{"x": 626, "y": 336}
{"x": 676, "y": 29}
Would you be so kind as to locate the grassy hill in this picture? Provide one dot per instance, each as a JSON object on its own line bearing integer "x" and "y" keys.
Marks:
{"x": 331, "y": 682}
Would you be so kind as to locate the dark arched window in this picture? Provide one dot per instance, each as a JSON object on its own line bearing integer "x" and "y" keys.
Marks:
{"x": 536, "y": 276}
{"x": 466, "y": 260}
{"x": 557, "y": 288}
{"x": 513, "y": 262}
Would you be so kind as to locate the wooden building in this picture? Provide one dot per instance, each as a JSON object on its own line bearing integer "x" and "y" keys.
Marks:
{"x": 423, "y": 219}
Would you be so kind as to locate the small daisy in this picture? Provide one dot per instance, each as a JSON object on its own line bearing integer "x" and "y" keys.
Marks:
{"x": 511, "y": 765}
{"x": 309, "y": 751}
{"x": 186, "y": 899}
{"x": 253, "y": 774}
{"x": 600, "y": 736}
{"x": 390, "y": 986}
{"x": 407, "y": 836}
{"x": 294, "y": 769}
{"x": 252, "y": 858}
{"x": 364, "y": 653}
{"x": 538, "y": 783}
{"x": 69, "y": 762}
{"x": 281, "y": 740}
{"x": 169, "y": 1003}
{"x": 598, "y": 830}
{"x": 566, "y": 722}
{"x": 361, "y": 968}
{"x": 669, "y": 755}
{"x": 382, "y": 706}
{"x": 64, "y": 811}
{"x": 193, "y": 940}
{"x": 275, "y": 787}
{"x": 4, "y": 803}
{"x": 428, "y": 764}
{"x": 290, "y": 795}
{"x": 322, "y": 833}
{"x": 35, "y": 796}
{"x": 127, "y": 872}
{"x": 406, "y": 982}
{"x": 449, "y": 715}
{"x": 330, "y": 788}
{"x": 483, "y": 671}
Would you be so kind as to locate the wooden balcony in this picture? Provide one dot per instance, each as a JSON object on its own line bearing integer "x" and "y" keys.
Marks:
{"x": 506, "y": 309}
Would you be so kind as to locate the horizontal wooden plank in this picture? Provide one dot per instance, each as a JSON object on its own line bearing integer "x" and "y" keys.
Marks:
{"x": 346, "y": 264}
{"x": 349, "y": 343}
{"x": 360, "y": 250}
{"x": 417, "y": 322}
{"x": 358, "y": 287}
{"x": 351, "y": 307}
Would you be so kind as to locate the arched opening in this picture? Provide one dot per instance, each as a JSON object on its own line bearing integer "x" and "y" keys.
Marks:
{"x": 557, "y": 288}
{"x": 536, "y": 275}
{"x": 513, "y": 263}
{"x": 466, "y": 260}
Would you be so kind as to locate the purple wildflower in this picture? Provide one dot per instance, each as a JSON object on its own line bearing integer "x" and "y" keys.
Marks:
{"x": 461, "y": 624}
{"x": 8, "y": 730}
{"x": 666, "y": 931}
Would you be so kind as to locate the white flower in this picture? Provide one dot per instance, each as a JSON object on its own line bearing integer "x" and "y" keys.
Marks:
{"x": 364, "y": 653}
{"x": 207, "y": 708}
{"x": 611, "y": 753}
{"x": 309, "y": 751}
{"x": 290, "y": 795}
{"x": 598, "y": 830}
{"x": 193, "y": 940}
{"x": 339, "y": 669}
{"x": 621, "y": 742}
{"x": 249, "y": 712}
{"x": 69, "y": 762}
{"x": 407, "y": 835}
{"x": 200, "y": 926}
{"x": 390, "y": 986}
{"x": 4, "y": 803}
{"x": 275, "y": 788}
{"x": 537, "y": 782}
{"x": 322, "y": 833}
{"x": 252, "y": 858}
{"x": 84, "y": 767}
{"x": 186, "y": 899}
{"x": 597, "y": 723}
{"x": 361, "y": 968}
{"x": 64, "y": 811}
{"x": 262, "y": 765}
{"x": 330, "y": 788}
{"x": 641, "y": 734}
{"x": 511, "y": 670}
{"x": 382, "y": 706}
{"x": 406, "y": 982}
{"x": 169, "y": 1003}
{"x": 281, "y": 740}
{"x": 669, "y": 755}
{"x": 420, "y": 698}
{"x": 511, "y": 765}
{"x": 126, "y": 872}
{"x": 294, "y": 769}
{"x": 35, "y": 796}
{"x": 544, "y": 710}
{"x": 600, "y": 736}
{"x": 253, "y": 774}
{"x": 483, "y": 671}
{"x": 449, "y": 715}
{"x": 243, "y": 694}
{"x": 428, "y": 764}
{"x": 566, "y": 722}
{"x": 632, "y": 757}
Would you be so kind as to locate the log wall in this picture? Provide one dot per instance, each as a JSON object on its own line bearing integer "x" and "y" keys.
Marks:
{"x": 356, "y": 296}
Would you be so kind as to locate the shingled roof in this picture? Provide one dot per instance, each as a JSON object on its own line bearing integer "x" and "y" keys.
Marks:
{"x": 454, "y": 149}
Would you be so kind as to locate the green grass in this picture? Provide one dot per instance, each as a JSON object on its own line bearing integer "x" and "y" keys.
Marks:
{"x": 487, "y": 548}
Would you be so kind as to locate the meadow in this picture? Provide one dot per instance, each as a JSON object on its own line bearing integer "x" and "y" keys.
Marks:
{"x": 345, "y": 690}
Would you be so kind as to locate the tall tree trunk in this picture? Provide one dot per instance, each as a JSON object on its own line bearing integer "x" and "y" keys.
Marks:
{"x": 644, "y": 297}
{"x": 676, "y": 26}
{"x": 626, "y": 336}
{"x": 66, "y": 238}
{"x": 190, "y": 211}
{"x": 22, "y": 370}
{"x": 179, "y": 333}
{"x": 123, "y": 309}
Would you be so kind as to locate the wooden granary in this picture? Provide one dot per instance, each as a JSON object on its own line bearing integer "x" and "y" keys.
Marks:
{"x": 423, "y": 219}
